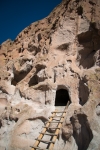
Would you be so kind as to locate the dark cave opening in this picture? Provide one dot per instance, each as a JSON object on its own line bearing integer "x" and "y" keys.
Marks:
{"x": 62, "y": 97}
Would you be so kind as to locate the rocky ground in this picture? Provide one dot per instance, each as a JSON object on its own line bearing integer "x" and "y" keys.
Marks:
{"x": 62, "y": 51}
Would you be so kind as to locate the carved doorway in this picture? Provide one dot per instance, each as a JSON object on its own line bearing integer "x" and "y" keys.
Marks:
{"x": 62, "y": 97}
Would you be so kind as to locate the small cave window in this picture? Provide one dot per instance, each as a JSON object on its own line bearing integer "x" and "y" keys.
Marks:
{"x": 62, "y": 97}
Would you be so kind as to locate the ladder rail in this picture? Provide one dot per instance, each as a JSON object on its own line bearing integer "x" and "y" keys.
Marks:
{"x": 56, "y": 132}
{"x": 43, "y": 131}
{"x": 59, "y": 126}
{"x": 46, "y": 127}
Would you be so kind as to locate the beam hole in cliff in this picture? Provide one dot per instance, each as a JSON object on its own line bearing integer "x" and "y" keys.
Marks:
{"x": 62, "y": 97}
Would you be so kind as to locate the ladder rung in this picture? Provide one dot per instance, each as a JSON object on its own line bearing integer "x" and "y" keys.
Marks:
{"x": 57, "y": 122}
{"x": 59, "y": 116}
{"x": 54, "y": 122}
{"x": 49, "y": 134}
{"x": 51, "y": 127}
{"x": 56, "y": 119}
{"x": 54, "y": 128}
{"x": 61, "y": 112}
{"x": 38, "y": 148}
{"x": 45, "y": 141}
{"x": 56, "y": 116}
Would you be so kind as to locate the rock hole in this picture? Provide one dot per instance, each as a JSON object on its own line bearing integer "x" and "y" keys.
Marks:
{"x": 20, "y": 50}
{"x": 83, "y": 92}
{"x": 98, "y": 110}
{"x": 62, "y": 97}
{"x": 39, "y": 37}
{"x": 33, "y": 49}
{"x": 87, "y": 60}
{"x": 77, "y": 1}
{"x": 80, "y": 10}
{"x": 4, "y": 54}
{"x": 54, "y": 24}
{"x": 26, "y": 31}
{"x": 69, "y": 61}
{"x": 49, "y": 20}
{"x": 63, "y": 47}
{"x": 92, "y": 3}
{"x": 13, "y": 118}
{"x": 85, "y": 37}
{"x": 33, "y": 81}
{"x": 86, "y": 55}
{"x": 18, "y": 76}
{"x": 0, "y": 124}
{"x": 93, "y": 27}
{"x": 82, "y": 132}
{"x": 55, "y": 76}
{"x": 90, "y": 41}
{"x": 39, "y": 67}
{"x": 50, "y": 40}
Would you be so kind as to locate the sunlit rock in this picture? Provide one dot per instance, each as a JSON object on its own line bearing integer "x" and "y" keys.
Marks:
{"x": 51, "y": 62}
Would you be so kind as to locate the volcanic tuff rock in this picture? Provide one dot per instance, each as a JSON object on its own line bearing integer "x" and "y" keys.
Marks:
{"x": 61, "y": 51}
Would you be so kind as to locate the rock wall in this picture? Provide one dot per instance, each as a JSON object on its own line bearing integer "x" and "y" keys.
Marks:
{"x": 62, "y": 51}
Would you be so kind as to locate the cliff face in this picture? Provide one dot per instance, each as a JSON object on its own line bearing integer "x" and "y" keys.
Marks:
{"x": 62, "y": 51}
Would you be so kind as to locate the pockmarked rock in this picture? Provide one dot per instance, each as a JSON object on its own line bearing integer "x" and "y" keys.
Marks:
{"x": 51, "y": 62}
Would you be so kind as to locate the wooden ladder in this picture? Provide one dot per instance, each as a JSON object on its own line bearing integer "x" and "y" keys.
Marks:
{"x": 56, "y": 130}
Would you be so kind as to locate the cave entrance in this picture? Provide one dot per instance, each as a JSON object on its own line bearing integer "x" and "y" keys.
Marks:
{"x": 62, "y": 97}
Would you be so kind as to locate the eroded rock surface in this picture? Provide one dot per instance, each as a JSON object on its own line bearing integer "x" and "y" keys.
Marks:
{"x": 60, "y": 52}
